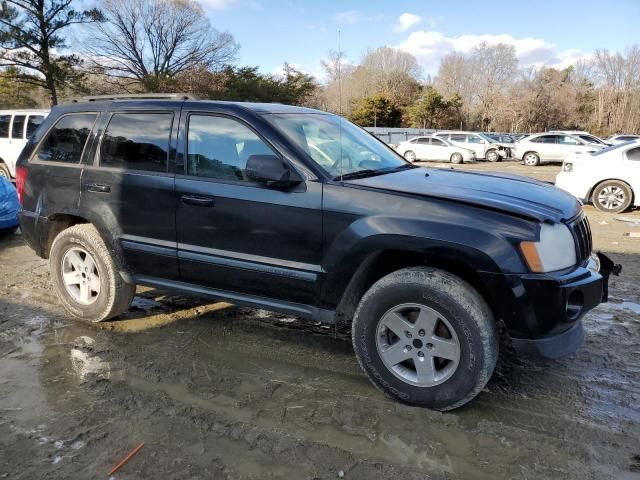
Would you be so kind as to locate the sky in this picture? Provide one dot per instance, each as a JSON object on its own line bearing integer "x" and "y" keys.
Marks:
{"x": 552, "y": 33}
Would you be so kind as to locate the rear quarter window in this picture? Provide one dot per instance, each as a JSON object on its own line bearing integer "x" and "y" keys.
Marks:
{"x": 137, "y": 141}
{"x": 5, "y": 122}
{"x": 66, "y": 140}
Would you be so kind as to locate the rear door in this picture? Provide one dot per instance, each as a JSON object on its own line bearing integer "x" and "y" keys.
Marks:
{"x": 238, "y": 235}
{"x": 129, "y": 187}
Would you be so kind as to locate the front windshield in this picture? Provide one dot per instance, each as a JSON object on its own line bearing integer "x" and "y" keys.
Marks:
{"x": 336, "y": 145}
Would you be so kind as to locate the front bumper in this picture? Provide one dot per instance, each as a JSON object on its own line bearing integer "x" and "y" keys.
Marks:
{"x": 543, "y": 312}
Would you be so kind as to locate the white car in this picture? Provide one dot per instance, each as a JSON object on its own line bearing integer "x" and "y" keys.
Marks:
{"x": 616, "y": 139}
{"x": 609, "y": 178}
{"x": 432, "y": 148}
{"x": 16, "y": 126}
{"x": 483, "y": 146}
{"x": 586, "y": 136}
{"x": 551, "y": 147}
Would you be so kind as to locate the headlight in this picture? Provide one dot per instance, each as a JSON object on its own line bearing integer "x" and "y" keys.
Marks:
{"x": 567, "y": 167}
{"x": 554, "y": 251}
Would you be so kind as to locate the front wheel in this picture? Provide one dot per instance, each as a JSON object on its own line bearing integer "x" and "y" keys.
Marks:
{"x": 531, "y": 159}
{"x": 410, "y": 155}
{"x": 492, "y": 156}
{"x": 456, "y": 158}
{"x": 612, "y": 196}
{"x": 425, "y": 337}
{"x": 86, "y": 277}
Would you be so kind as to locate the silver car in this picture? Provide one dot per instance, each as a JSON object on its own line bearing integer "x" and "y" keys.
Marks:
{"x": 551, "y": 147}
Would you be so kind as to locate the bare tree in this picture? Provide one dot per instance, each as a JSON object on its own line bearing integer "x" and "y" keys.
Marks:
{"x": 31, "y": 31}
{"x": 151, "y": 41}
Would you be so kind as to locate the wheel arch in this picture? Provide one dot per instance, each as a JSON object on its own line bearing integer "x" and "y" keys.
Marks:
{"x": 56, "y": 223}
{"x": 384, "y": 262}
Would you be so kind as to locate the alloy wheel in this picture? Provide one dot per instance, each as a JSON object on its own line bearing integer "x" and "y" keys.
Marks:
{"x": 418, "y": 345}
{"x": 80, "y": 276}
{"x": 611, "y": 197}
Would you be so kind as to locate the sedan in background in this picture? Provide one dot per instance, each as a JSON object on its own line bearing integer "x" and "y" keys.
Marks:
{"x": 609, "y": 178}
{"x": 9, "y": 207}
{"x": 551, "y": 147}
{"x": 432, "y": 148}
{"x": 616, "y": 139}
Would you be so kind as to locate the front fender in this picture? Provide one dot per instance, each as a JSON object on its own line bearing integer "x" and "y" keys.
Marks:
{"x": 483, "y": 245}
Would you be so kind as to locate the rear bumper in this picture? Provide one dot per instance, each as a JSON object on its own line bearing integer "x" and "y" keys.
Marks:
{"x": 543, "y": 312}
{"x": 34, "y": 230}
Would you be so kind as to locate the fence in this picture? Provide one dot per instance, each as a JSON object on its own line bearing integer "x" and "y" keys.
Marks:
{"x": 397, "y": 135}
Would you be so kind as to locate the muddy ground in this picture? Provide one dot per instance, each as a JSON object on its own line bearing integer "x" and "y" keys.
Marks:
{"x": 216, "y": 391}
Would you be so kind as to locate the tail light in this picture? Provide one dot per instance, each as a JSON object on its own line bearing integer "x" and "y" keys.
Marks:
{"x": 21, "y": 179}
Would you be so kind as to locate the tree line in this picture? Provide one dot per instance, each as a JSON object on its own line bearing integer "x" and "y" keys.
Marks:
{"x": 135, "y": 46}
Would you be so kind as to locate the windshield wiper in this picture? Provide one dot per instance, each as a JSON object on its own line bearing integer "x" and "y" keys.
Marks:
{"x": 368, "y": 172}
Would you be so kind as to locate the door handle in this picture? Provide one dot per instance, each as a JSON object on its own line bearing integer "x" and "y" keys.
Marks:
{"x": 198, "y": 201}
{"x": 98, "y": 187}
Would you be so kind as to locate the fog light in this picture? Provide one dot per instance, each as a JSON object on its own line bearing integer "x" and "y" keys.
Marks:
{"x": 594, "y": 263}
{"x": 575, "y": 303}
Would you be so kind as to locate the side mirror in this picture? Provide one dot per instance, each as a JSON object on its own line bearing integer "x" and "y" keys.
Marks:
{"x": 272, "y": 171}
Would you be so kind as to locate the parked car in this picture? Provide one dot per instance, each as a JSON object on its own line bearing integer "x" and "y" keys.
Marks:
{"x": 230, "y": 201}
{"x": 16, "y": 126}
{"x": 433, "y": 148}
{"x": 616, "y": 139}
{"x": 482, "y": 145}
{"x": 550, "y": 147}
{"x": 9, "y": 207}
{"x": 609, "y": 178}
{"x": 586, "y": 136}
{"x": 500, "y": 137}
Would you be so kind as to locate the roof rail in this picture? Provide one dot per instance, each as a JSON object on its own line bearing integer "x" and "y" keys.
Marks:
{"x": 134, "y": 96}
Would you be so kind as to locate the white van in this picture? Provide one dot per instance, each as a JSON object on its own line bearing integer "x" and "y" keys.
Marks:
{"x": 16, "y": 126}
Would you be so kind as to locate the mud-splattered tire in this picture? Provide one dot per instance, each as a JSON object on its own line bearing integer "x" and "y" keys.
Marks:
{"x": 461, "y": 316}
{"x": 109, "y": 293}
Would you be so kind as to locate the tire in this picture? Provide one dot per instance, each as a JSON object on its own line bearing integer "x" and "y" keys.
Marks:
{"x": 492, "y": 156}
{"x": 4, "y": 171}
{"x": 410, "y": 155}
{"x": 463, "y": 319}
{"x": 613, "y": 196}
{"x": 456, "y": 158}
{"x": 81, "y": 254}
{"x": 531, "y": 159}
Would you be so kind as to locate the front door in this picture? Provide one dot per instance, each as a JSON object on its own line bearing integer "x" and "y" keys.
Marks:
{"x": 237, "y": 235}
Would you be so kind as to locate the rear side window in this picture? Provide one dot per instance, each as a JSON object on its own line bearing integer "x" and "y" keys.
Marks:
{"x": 634, "y": 154}
{"x": 5, "y": 121}
{"x": 33, "y": 122}
{"x": 567, "y": 140}
{"x": 65, "y": 142}
{"x": 544, "y": 139}
{"x": 423, "y": 141}
{"x": 219, "y": 147}
{"x": 137, "y": 141}
{"x": 17, "y": 128}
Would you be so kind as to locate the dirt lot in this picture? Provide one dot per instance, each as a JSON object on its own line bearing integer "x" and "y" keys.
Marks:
{"x": 216, "y": 391}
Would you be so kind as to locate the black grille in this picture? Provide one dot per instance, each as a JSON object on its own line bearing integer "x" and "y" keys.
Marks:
{"x": 582, "y": 236}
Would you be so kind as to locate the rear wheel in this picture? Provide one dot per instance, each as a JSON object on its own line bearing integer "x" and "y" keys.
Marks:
{"x": 86, "y": 277}
{"x": 425, "y": 337}
{"x": 612, "y": 196}
{"x": 456, "y": 158}
{"x": 410, "y": 155}
{"x": 531, "y": 159}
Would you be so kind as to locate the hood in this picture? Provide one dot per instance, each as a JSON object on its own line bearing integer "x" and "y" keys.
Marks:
{"x": 508, "y": 193}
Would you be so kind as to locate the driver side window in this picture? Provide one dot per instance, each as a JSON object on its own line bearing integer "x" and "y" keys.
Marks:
{"x": 219, "y": 147}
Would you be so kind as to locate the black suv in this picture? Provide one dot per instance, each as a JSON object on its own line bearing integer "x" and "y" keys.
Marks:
{"x": 299, "y": 211}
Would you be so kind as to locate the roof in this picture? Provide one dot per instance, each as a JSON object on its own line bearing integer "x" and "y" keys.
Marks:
{"x": 24, "y": 110}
